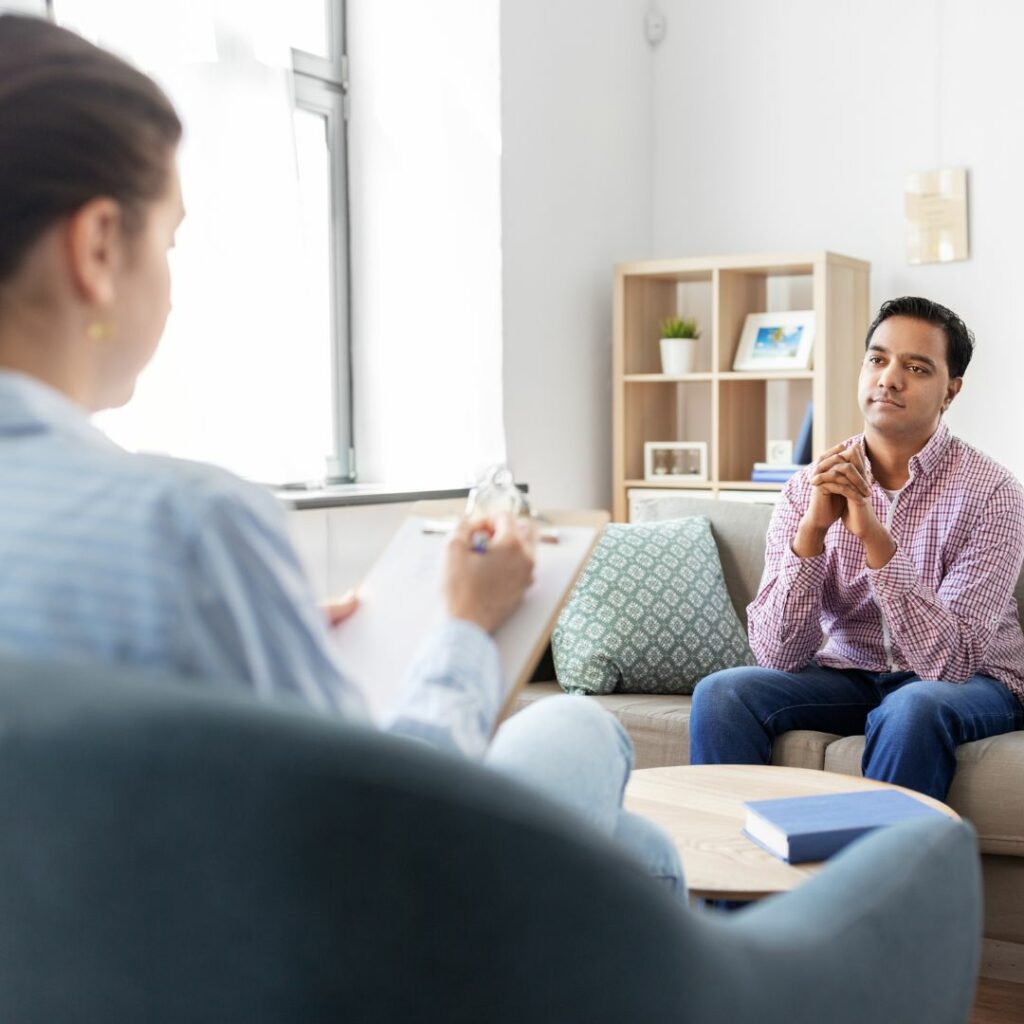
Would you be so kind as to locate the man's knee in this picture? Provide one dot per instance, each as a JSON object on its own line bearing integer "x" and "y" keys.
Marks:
{"x": 922, "y": 704}
{"x": 724, "y": 688}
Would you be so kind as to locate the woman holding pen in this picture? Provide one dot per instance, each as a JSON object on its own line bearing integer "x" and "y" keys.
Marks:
{"x": 170, "y": 565}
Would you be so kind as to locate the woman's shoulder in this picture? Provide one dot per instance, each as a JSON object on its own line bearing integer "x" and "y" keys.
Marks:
{"x": 185, "y": 497}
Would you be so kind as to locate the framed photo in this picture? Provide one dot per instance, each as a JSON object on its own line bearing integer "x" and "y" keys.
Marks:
{"x": 675, "y": 461}
{"x": 776, "y": 341}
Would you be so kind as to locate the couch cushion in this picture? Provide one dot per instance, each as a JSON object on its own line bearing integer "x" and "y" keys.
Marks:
{"x": 659, "y": 725}
{"x": 802, "y": 748}
{"x": 650, "y": 614}
{"x": 987, "y": 788}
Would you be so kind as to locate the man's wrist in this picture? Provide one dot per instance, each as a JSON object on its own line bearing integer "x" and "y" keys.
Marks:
{"x": 808, "y": 541}
{"x": 879, "y": 547}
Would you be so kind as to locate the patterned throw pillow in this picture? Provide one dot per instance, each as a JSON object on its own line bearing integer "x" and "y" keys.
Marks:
{"x": 650, "y": 613}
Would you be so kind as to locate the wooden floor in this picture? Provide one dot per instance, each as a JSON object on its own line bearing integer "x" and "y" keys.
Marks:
{"x": 998, "y": 1002}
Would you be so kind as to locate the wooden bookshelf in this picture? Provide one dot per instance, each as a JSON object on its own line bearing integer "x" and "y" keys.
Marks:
{"x": 730, "y": 411}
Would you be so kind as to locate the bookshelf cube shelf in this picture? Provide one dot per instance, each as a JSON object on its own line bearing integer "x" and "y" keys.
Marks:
{"x": 734, "y": 413}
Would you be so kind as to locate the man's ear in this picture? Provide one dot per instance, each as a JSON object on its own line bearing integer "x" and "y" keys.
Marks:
{"x": 94, "y": 248}
{"x": 955, "y": 384}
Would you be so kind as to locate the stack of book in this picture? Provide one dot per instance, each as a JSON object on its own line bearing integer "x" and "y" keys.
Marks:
{"x": 774, "y": 472}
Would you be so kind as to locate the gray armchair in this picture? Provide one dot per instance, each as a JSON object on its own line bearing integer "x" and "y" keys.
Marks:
{"x": 172, "y": 855}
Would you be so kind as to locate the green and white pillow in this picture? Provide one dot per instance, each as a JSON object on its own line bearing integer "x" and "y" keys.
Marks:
{"x": 649, "y": 614}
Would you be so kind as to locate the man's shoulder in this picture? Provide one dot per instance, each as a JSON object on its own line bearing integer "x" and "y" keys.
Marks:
{"x": 980, "y": 474}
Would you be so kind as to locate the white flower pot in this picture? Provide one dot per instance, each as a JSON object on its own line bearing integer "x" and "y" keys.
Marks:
{"x": 678, "y": 356}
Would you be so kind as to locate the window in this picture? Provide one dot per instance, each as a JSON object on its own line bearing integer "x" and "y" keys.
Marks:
{"x": 284, "y": 354}
{"x": 253, "y": 371}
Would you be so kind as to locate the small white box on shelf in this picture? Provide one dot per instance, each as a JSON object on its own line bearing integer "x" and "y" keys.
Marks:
{"x": 681, "y": 461}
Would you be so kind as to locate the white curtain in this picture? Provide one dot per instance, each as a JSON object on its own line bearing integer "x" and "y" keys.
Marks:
{"x": 425, "y": 162}
{"x": 243, "y": 376}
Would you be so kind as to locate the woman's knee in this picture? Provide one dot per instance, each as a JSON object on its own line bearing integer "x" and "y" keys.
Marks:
{"x": 575, "y": 721}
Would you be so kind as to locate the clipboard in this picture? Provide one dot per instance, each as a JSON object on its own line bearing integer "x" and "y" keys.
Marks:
{"x": 401, "y": 600}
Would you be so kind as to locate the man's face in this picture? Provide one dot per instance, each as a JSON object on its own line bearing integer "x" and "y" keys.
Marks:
{"x": 904, "y": 380}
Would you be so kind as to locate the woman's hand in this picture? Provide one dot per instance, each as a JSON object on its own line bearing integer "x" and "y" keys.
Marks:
{"x": 339, "y": 609}
{"x": 489, "y": 566}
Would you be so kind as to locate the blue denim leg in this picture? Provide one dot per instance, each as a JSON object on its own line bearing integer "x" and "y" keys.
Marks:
{"x": 738, "y": 712}
{"x": 913, "y": 734}
{"x": 579, "y": 756}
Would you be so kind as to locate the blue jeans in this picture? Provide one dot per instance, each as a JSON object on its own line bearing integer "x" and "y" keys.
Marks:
{"x": 912, "y": 727}
{"x": 579, "y": 756}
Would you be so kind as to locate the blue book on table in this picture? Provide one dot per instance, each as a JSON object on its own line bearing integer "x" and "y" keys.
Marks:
{"x": 804, "y": 828}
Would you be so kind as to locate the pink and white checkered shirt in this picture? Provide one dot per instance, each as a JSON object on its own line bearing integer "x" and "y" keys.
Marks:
{"x": 942, "y": 607}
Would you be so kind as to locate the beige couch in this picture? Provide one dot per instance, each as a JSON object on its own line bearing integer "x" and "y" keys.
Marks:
{"x": 988, "y": 788}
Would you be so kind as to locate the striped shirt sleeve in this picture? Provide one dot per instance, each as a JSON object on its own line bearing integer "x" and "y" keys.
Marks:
{"x": 784, "y": 620}
{"x": 249, "y": 613}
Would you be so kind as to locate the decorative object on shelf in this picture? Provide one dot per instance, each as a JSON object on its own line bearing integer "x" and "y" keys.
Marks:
{"x": 802, "y": 449}
{"x": 779, "y": 452}
{"x": 936, "y": 206}
{"x": 676, "y": 461}
{"x": 776, "y": 341}
{"x": 679, "y": 337}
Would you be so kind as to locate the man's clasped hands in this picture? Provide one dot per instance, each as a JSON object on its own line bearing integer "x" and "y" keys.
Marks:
{"x": 841, "y": 491}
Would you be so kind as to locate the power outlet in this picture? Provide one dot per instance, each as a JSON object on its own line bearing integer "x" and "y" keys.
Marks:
{"x": 656, "y": 27}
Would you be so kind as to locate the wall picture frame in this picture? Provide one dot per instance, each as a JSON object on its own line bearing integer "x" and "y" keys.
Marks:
{"x": 776, "y": 341}
{"x": 676, "y": 461}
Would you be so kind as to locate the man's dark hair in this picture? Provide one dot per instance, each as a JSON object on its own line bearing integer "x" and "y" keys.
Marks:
{"x": 959, "y": 340}
{"x": 76, "y": 123}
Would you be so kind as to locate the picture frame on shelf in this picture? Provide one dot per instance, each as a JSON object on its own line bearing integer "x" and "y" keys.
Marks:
{"x": 676, "y": 461}
{"x": 776, "y": 341}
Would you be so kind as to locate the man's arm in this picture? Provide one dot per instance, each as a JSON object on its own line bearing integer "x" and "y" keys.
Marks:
{"x": 946, "y": 634}
{"x": 784, "y": 620}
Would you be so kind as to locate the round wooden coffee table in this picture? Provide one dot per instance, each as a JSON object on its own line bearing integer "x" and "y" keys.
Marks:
{"x": 701, "y": 807}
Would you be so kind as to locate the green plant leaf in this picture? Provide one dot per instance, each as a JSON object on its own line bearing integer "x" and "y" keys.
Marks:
{"x": 680, "y": 327}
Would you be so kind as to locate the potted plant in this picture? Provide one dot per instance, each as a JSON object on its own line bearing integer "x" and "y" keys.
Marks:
{"x": 679, "y": 336}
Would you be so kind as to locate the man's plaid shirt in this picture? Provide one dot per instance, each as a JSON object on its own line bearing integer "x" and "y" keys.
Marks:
{"x": 942, "y": 607}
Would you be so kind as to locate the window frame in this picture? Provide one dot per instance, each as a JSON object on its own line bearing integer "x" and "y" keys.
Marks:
{"x": 322, "y": 87}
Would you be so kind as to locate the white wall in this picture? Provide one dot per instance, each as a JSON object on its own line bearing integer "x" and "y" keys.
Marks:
{"x": 23, "y": 7}
{"x": 425, "y": 180}
{"x": 576, "y": 172}
{"x": 791, "y": 125}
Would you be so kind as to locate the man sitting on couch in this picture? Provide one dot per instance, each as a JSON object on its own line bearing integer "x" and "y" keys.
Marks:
{"x": 900, "y": 548}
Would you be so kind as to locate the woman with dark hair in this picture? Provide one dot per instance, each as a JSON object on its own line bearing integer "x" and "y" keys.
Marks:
{"x": 170, "y": 565}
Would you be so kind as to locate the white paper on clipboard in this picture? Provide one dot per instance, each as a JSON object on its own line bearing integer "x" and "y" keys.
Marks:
{"x": 402, "y": 600}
